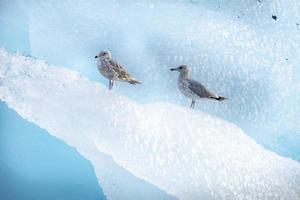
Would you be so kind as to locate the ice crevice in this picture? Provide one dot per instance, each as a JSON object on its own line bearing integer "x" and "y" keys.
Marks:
{"x": 186, "y": 153}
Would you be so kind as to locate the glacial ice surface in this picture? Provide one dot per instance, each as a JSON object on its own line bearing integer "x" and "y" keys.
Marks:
{"x": 233, "y": 47}
{"x": 189, "y": 154}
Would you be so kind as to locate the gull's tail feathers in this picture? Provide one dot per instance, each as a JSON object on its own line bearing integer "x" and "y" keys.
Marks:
{"x": 220, "y": 98}
{"x": 133, "y": 81}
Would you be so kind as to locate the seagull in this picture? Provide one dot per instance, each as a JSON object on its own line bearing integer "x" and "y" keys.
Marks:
{"x": 193, "y": 89}
{"x": 112, "y": 70}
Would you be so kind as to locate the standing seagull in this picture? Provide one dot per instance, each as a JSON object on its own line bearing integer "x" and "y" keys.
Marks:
{"x": 112, "y": 70}
{"x": 193, "y": 89}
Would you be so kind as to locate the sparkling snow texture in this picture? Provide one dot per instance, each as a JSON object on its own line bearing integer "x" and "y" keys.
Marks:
{"x": 234, "y": 47}
{"x": 187, "y": 153}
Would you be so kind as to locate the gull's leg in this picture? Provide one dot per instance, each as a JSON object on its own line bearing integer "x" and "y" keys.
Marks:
{"x": 110, "y": 84}
{"x": 193, "y": 104}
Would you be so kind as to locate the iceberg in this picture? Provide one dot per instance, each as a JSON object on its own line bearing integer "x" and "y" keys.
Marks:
{"x": 188, "y": 154}
{"x": 233, "y": 47}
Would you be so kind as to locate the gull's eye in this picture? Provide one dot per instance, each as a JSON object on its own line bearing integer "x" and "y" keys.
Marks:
{"x": 180, "y": 67}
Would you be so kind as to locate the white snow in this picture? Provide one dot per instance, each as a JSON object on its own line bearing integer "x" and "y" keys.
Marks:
{"x": 187, "y": 153}
{"x": 234, "y": 47}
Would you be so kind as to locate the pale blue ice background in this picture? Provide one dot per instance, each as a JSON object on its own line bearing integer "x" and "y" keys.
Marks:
{"x": 39, "y": 159}
{"x": 33, "y": 164}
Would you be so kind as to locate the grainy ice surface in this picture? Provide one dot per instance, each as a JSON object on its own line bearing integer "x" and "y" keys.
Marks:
{"x": 189, "y": 154}
{"x": 143, "y": 140}
{"x": 235, "y": 48}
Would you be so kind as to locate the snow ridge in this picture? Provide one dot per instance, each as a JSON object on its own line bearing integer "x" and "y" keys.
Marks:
{"x": 188, "y": 154}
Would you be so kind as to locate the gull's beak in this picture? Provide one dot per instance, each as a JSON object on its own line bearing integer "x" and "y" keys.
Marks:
{"x": 96, "y": 56}
{"x": 173, "y": 69}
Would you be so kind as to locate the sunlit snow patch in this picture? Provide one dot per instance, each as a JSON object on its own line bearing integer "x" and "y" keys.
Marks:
{"x": 233, "y": 47}
{"x": 189, "y": 154}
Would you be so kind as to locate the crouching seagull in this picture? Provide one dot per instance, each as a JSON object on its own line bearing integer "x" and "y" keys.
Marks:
{"x": 112, "y": 70}
{"x": 193, "y": 89}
